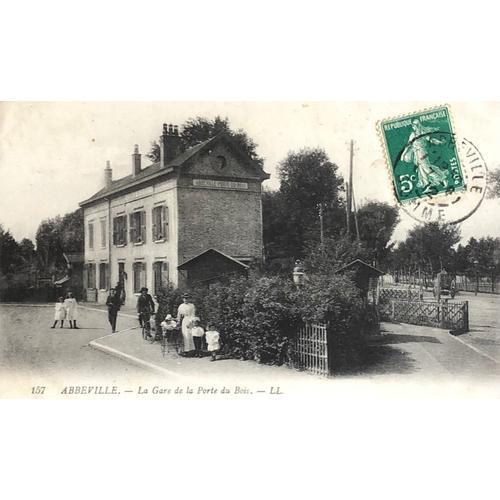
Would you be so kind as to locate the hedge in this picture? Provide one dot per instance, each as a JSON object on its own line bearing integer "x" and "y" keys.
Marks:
{"x": 258, "y": 318}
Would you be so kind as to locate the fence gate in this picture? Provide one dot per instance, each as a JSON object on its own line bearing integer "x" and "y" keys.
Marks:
{"x": 312, "y": 348}
{"x": 446, "y": 314}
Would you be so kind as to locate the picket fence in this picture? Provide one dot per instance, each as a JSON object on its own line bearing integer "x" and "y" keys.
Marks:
{"x": 312, "y": 348}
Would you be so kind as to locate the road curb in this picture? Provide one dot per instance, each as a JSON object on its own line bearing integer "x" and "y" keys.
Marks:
{"x": 475, "y": 349}
{"x": 105, "y": 311}
{"x": 133, "y": 359}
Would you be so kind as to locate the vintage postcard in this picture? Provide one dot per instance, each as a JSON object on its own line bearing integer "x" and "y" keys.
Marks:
{"x": 175, "y": 250}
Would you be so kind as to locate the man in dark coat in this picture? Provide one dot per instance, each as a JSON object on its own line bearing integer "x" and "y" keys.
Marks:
{"x": 145, "y": 307}
{"x": 114, "y": 303}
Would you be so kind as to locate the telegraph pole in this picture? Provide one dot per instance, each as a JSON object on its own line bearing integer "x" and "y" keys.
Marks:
{"x": 349, "y": 189}
{"x": 320, "y": 211}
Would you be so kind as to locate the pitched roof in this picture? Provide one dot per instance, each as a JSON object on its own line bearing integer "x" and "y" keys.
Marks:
{"x": 210, "y": 250}
{"x": 360, "y": 263}
{"x": 156, "y": 170}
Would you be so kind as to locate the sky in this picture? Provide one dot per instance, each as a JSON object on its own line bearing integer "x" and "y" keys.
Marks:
{"x": 52, "y": 155}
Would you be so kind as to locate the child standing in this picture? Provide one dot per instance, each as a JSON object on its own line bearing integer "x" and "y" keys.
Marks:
{"x": 59, "y": 312}
{"x": 212, "y": 337}
{"x": 71, "y": 306}
{"x": 197, "y": 332}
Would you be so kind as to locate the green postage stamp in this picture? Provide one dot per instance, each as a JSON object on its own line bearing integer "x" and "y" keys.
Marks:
{"x": 422, "y": 154}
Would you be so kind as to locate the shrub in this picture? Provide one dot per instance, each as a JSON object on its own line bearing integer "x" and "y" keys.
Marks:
{"x": 258, "y": 318}
{"x": 271, "y": 319}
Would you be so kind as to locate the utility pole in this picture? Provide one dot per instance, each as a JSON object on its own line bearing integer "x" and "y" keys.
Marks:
{"x": 320, "y": 212}
{"x": 355, "y": 213}
{"x": 349, "y": 189}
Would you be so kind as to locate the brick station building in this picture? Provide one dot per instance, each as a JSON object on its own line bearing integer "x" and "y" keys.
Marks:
{"x": 177, "y": 216}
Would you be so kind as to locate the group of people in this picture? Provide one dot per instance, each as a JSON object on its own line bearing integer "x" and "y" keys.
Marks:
{"x": 66, "y": 308}
{"x": 191, "y": 329}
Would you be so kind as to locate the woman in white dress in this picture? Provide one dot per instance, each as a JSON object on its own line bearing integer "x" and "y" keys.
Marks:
{"x": 185, "y": 314}
{"x": 71, "y": 306}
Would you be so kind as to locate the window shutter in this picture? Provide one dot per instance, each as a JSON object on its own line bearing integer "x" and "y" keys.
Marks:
{"x": 85, "y": 276}
{"x": 155, "y": 223}
{"x": 124, "y": 229}
{"x": 164, "y": 274}
{"x": 107, "y": 277}
{"x": 115, "y": 232}
{"x": 143, "y": 275}
{"x": 131, "y": 224}
{"x": 164, "y": 213}
{"x": 143, "y": 226}
{"x": 136, "y": 277}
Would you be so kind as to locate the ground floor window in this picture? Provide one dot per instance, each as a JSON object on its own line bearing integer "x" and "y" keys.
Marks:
{"x": 122, "y": 275}
{"x": 139, "y": 276}
{"x": 103, "y": 276}
{"x": 160, "y": 273}
{"x": 91, "y": 276}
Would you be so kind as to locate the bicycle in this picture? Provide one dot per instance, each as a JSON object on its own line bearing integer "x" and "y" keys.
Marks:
{"x": 145, "y": 319}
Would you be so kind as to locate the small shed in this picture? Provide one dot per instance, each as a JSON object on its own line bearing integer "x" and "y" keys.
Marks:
{"x": 364, "y": 276}
{"x": 211, "y": 266}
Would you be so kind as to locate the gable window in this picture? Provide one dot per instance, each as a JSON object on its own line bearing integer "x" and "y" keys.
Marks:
{"x": 104, "y": 231}
{"x": 160, "y": 223}
{"x": 137, "y": 223}
{"x": 139, "y": 276}
{"x": 103, "y": 276}
{"x": 120, "y": 230}
{"x": 160, "y": 274}
{"x": 91, "y": 236}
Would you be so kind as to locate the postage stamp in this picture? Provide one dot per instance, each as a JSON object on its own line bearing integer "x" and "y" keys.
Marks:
{"x": 422, "y": 154}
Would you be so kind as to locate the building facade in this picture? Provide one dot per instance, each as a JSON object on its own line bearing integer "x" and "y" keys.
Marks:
{"x": 141, "y": 228}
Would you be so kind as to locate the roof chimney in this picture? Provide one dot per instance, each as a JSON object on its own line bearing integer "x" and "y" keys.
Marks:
{"x": 108, "y": 175}
{"x": 136, "y": 161}
{"x": 170, "y": 144}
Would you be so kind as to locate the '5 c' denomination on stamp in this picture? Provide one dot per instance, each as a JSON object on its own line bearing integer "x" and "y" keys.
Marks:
{"x": 422, "y": 154}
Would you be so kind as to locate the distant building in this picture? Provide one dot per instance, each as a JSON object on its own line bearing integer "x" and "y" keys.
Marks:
{"x": 140, "y": 228}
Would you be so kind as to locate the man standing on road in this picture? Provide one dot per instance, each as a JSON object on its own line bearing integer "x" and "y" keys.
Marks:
{"x": 114, "y": 303}
{"x": 145, "y": 307}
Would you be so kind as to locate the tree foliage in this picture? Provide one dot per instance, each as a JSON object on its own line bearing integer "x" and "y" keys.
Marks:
{"x": 59, "y": 235}
{"x": 482, "y": 255}
{"x": 377, "y": 221}
{"x": 428, "y": 248}
{"x": 197, "y": 130}
{"x": 494, "y": 183}
{"x": 325, "y": 259}
{"x": 308, "y": 181}
{"x": 10, "y": 257}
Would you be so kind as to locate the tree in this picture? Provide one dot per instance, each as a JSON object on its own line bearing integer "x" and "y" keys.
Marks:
{"x": 428, "y": 248}
{"x": 27, "y": 250}
{"x": 57, "y": 236}
{"x": 325, "y": 259}
{"x": 10, "y": 258}
{"x": 309, "y": 180}
{"x": 377, "y": 221}
{"x": 481, "y": 255}
{"x": 494, "y": 183}
{"x": 197, "y": 130}
{"x": 72, "y": 232}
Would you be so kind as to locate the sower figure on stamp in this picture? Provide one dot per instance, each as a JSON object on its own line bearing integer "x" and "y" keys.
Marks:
{"x": 114, "y": 303}
{"x": 186, "y": 314}
{"x": 417, "y": 152}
